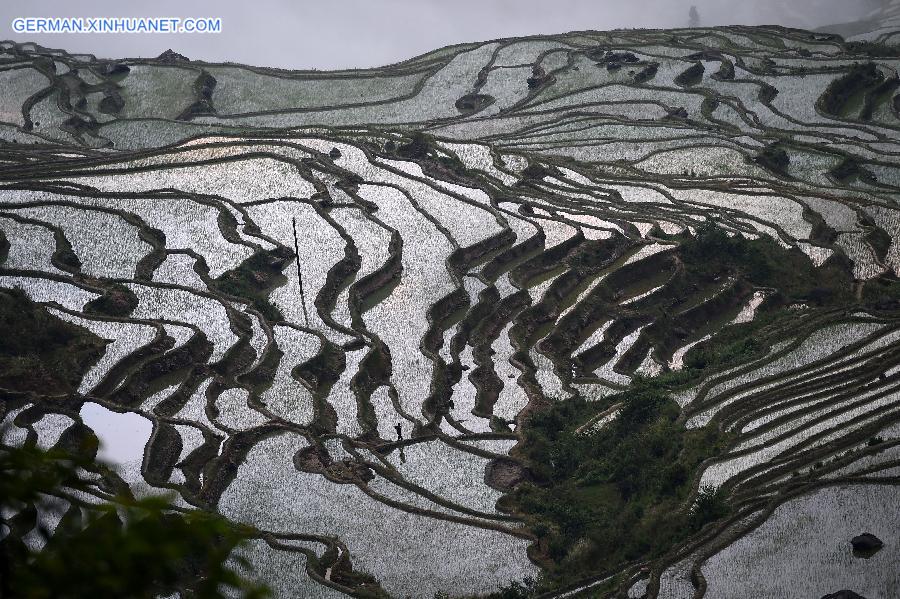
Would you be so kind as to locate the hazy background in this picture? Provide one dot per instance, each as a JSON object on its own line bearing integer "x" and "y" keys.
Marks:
{"x": 332, "y": 34}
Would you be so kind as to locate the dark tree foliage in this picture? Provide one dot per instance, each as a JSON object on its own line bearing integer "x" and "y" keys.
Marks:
{"x": 113, "y": 545}
{"x": 860, "y": 78}
{"x": 118, "y": 300}
{"x": 709, "y": 506}
{"x": 773, "y": 158}
{"x": 767, "y": 93}
{"x": 873, "y": 49}
{"x": 614, "y": 495}
{"x": 513, "y": 590}
{"x": 120, "y": 548}
{"x": 692, "y": 75}
{"x": 763, "y": 263}
{"x": 534, "y": 172}
{"x": 647, "y": 73}
{"x": 39, "y": 352}
{"x": 254, "y": 278}
{"x": 850, "y": 168}
{"x": 4, "y": 247}
{"x": 417, "y": 147}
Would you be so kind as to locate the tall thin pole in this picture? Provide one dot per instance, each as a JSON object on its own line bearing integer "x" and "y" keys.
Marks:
{"x": 299, "y": 275}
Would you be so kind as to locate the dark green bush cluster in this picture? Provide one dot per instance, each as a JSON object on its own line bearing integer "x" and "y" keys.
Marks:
{"x": 763, "y": 263}
{"x": 535, "y": 172}
{"x": 118, "y": 300}
{"x": 739, "y": 345}
{"x": 773, "y": 158}
{"x": 513, "y": 590}
{"x": 616, "y": 494}
{"x": 860, "y": 78}
{"x": 849, "y": 168}
{"x": 873, "y": 49}
{"x": 254, "y": 278}
{"x": 619, "y": 494}
{"x": 647, "y": 73}
{"x": 882, "y": 293}
{"x": 880, "y": 241}
{"x": 880, "y": 93}
{"x": 692, "y": 75}
{"x": 4, "y": 247}
{"x": 416, "y": 148}
{"x": 39, "y": 352}
{"x": 767, "y": 93}
{"x": 709, "y": 506}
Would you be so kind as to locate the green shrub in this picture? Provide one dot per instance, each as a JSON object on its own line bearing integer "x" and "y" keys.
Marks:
{"x": 613, "y": 495}
{"x": 708, "y": 507}
{"x": 873, "y": 49}
{"x": 773, "y": 158}
{"x": 860, "y": 78}
{"x": 691, "y": 76}
{"x": 40, "y": 352}
{"x": 254, "y": 278}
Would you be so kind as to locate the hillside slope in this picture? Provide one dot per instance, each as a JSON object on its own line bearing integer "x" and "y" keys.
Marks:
{"x": 682, "y": 243}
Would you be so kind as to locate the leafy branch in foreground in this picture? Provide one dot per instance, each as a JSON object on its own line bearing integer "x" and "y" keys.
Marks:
{"x": 125, "y": 547}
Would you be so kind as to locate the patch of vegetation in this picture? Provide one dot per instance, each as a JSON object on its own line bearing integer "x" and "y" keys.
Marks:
{"x": 534, "y": 172}
{"x": 880, "y": 241}
{"x": 773, "y": 158}
{"x": 692, "y": 75}
{"x": 538, "y": 77}
{"x": 767, "y": 93}
{"x": 618, "y": 494}
{"x": 203, "y": 89}
{"x": 4, "y": 247}
{"x": 112, "y": 102}
{"x": 513, "y": 590}
{"x": 39, "y": 352}
{"x": 873, "y": 49}
{"x": 733, "y": 345}
{"x": 647, "y": 73}
{"x": 882, "y": 293}
{"x": 850, "y": 168}
{"x": 67, "y": 258}
{"x": 763, "y": 263}
{"x": 726, "y": 71}
{"x": 878, "y": 95}
{"x": 254, "y": 278}
{"x": 432, "y": 160}
{"x": 473, "y": 102}
{"x": 117, "y": 300}
{"x": 855, "y": 83}
{"x": 452, "y": 164}
{"x": 364, "y": 585}
{"x": 416, "y": 148}
{"x": 614, "y": 495}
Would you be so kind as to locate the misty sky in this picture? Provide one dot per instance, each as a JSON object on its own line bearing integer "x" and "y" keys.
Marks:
{"x": 331, "y": 34}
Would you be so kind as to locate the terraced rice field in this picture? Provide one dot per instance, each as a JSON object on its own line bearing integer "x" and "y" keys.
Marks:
{"x": 481, "y": 232}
